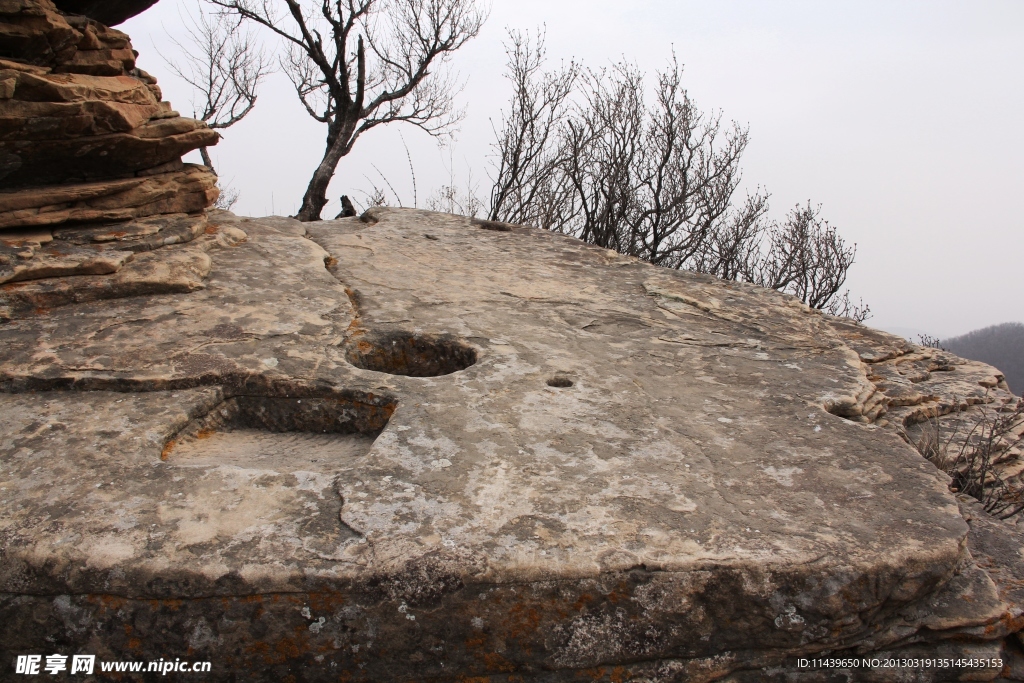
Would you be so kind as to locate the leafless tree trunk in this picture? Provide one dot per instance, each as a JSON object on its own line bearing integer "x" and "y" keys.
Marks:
{"x": 225, "y": 66}
{"x": 357, "y": 64}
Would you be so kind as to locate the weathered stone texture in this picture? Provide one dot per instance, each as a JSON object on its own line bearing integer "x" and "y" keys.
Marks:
{"x": 41, "y": 269}
{"x": 188, "y": 190}
{"x": 76, "y": 116}
{"x": 109, "y": 12}
{"x": 410, "y": 448}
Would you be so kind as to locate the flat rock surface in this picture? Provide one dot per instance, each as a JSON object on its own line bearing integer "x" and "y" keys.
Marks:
{"x": 453, "y": 448}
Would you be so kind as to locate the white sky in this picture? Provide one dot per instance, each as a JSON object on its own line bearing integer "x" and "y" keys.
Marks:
{"x": 902, "y": 118}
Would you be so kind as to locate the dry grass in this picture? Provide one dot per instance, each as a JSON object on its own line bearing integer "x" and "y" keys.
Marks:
{"x": 973, "y": 448}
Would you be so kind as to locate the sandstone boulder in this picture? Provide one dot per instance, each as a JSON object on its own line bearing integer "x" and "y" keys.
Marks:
{"x": 406, "y": 447}
{"x": 34, "y": 32}
{"x": 152, "y": 144}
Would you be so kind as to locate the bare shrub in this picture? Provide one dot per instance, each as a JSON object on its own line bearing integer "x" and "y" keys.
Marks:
{"x": 525, "y": 187}
{"x": 227, "y": 197}
{"x": 452, "y": 199}
{"x": 970, "y": 449}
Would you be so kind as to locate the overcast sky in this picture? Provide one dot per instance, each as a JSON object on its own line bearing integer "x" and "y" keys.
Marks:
{"x": 903, "y": 119}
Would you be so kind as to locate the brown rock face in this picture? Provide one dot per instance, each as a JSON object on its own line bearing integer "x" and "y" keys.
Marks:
{"x": 84, "y": 134}
{"x": 109, "y": 12}
{"x": 408, "y": 448}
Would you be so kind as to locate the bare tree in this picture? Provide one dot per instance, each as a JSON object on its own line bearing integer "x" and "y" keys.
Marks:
{"x": 526, "y": 186}
{"x": 656, "y": 183}
{"x": 225, "y": 66}
{"x": 584, "y": 153}
{"x": 357, "y": 64}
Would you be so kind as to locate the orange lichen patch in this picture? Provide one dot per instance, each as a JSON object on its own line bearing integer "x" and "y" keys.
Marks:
{"x": 523, "y": 621}
{"x": 582, "y": 601}
{"x": 211, "y": 229}
{"x": 326, "y": 602}
{"x": 1007, "y": 624}
{"x": 355, "y": 328}
{"x": 205, "y": 433}
{"x": 260, "y": 648}
{"x": 269, "y": 655}
{"x": 495, "y": 662}
{"x": 621, "y": 592}
{"x": 616, "y": 674}
{"x": 168, "y": 447}
{"x": 108, "y": 602}
{"x": 289, "y": 648}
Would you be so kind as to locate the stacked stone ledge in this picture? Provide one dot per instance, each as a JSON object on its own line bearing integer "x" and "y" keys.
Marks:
{"x": 86, "y": 141}
{"x": 84, "y": 135}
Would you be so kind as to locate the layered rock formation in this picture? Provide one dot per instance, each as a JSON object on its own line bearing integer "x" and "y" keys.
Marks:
{"x": 84, "y": 135}
{"x": 92, "y": 185}
{"x": 418, "y": 447}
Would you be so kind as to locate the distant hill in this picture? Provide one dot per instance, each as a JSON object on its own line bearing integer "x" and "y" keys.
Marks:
{"x": 998, "y": 345}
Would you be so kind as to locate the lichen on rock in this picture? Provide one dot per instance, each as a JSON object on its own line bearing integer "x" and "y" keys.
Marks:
{"x": 681, "y": 505}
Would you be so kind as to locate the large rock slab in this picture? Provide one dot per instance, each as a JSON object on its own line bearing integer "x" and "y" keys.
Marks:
{"x": 419, "y": 447}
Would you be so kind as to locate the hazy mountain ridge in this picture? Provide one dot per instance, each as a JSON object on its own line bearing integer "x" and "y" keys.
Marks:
{"x": 999, "y": 345}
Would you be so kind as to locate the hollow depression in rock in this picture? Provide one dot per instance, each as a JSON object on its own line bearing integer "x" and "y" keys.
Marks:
{"x": 412, "y": 355}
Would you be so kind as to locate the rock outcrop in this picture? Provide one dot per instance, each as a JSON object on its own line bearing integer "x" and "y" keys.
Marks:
{"x": 84, "y": 135}
{"x": 92, "y": 186}
{"x": 109, "y": 12}
{"x": 418, "y": 447}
